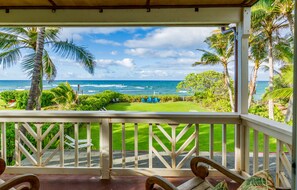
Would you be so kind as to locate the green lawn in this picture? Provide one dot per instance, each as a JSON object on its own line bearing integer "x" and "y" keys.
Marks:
{"x": 157, "y": 107}
{"x": 143, "y": 130}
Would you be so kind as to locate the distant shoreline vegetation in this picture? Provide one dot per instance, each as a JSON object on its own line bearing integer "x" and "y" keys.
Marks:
{"x": 131, "y": 87}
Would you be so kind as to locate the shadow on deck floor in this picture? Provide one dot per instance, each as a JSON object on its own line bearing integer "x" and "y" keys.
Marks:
{"x": 88, "y": 182}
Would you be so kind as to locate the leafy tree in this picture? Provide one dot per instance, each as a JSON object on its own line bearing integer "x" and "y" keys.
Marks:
{"x": 221, "y": 50}
{"x": 35, "y": 43}
{"x": 209, "y": 89}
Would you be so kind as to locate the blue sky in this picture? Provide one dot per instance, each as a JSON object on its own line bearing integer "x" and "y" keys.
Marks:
{"x": 133, "y": 53}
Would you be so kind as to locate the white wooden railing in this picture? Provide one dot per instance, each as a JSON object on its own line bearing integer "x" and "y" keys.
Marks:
{"x": 131, "y": 143}
{"x": 272, "y": 133}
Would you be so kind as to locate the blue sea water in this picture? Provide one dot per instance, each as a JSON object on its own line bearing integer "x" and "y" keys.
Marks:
{"x": 122, "y": 86}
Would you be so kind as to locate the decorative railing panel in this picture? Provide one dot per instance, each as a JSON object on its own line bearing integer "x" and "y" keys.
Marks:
{"x": 123, "y": 143}
{"x": 268, "y": 146}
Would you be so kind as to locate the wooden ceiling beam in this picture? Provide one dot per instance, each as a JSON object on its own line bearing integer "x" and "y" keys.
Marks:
{"x": 245, "y": 3}
{"x": 53, "y": 3}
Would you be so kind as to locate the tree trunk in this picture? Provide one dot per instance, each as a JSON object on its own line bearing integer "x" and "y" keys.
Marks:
{"x": 289, "y": 110}
{"x": 291, "y": 23}
{"x": 35, "y": 91}
{"x": 253, "y": 83}
{"x": 227, "y": 80}
{"x": 38, "y": 100}
{"x": 271, "y": 74}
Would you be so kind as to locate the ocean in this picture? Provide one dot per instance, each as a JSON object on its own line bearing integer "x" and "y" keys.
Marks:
{"x": 136, "y": 87}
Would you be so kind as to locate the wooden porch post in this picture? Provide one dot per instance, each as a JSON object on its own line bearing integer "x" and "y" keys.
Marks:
{"x": 294, "y": 149}
{"x": 105, "y": 148}
{"x": 241, "y": 149}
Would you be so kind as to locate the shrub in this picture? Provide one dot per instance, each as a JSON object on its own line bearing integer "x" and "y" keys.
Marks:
{"x": 261, "y": 109}
{"x": 8, "y": 95}
{"x": 97, "y": 101}
{"x": 47, "y": 98}
{"x": 22, "y": 99}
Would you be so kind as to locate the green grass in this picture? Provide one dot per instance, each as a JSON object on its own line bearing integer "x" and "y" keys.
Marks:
{"x": 143, "y": 130}
{"x": 143, "y": 138}
{"x": 157, "y": 107}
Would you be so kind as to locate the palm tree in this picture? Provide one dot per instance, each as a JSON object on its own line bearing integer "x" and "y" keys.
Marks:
{"x": 36, "y": 88}
{"x": 64, "y": 96}
{"x": 286, "y": 8}
{"x": 258, "y": 55}
{"x": 286, "y": 91}
{"x": 266, "y": 21}
{"x": 35, "y": 43}
{"x": 284, "y": 53}
{"x": 222, "y": 47}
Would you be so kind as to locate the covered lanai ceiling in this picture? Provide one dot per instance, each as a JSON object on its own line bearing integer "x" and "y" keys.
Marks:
{"x": 121, "y": 4}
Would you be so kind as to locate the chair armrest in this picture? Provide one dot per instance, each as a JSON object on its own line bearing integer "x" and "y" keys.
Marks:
{"x": 162, "y": 182}
{"x": 2, "y": 166}
{"x": 27, "y": 178}
{"x": 197, "y": 170}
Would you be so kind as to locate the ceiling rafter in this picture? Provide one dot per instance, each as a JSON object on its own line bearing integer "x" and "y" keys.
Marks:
{"x": 115, "y": 5}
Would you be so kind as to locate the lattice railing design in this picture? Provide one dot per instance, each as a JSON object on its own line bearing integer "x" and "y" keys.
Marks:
{"x": 35, "y": 153}
{"x": 147, "y": 143}
{"x": 42, "y": 144}
{"x": 173, "y": 152}
{"x": 48, "y": 141}
{"x": 267, "y": 148}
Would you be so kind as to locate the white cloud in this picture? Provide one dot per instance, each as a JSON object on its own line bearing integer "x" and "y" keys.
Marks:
{"x": 76, "y": 33}
{"x": 172, "y": 37}
{"x": 146, "y": 52}
{"x": 152, "y": 74}
{"x": 126, "y": 62}
{"x": 107, "y": 42}
{"x": 114, "y": 52}
{"x": 188, "y": 61}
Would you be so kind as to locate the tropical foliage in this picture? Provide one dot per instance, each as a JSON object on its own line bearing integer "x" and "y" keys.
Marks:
{"x": 209, "y": 90}
{"x": 267, "y": 20}
{"x": 32, "y": 47}
{"x": 221, "y": 50}
{"x": 64, "y": 96}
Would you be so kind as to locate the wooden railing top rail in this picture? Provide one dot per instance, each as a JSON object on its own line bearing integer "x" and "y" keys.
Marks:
{"x": 269, "y": 127}
{"x": 117, "y": 116}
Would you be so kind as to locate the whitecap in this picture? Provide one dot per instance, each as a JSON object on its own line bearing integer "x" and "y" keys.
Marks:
{"x": 139, "y": 87}
{"x": 104, "y": 85}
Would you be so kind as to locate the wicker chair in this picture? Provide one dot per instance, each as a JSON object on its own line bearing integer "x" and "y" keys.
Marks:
{"x": 22, "y": 182}
{"x": 199, "y": 182}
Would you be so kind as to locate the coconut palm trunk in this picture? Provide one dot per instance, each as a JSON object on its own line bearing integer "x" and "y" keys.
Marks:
{"x": 35, "y": 90}
{"x": 291, "y": 22}
{"x": 289, "y": 110}
{"x": 290, "y": 104}
{"x": 227, "y": 81}
{"x": 271, "y": 74}
{"x": 253, "y": 84}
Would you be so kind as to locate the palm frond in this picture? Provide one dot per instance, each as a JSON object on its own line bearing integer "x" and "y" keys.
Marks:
{"x": 18, "y": 31}
{"x": 51, "y": 34}
{"x": 49, "y": 68}
{"x": 68, "y": 49}
{"x": 278, "y": 93}
{"x": 265, "y": 67}
{"x": 28, "y": 64}
{"x": 10, "y": 57}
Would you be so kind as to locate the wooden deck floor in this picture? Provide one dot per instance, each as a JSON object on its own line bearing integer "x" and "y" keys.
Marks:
{"x": 88, "y": 182}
